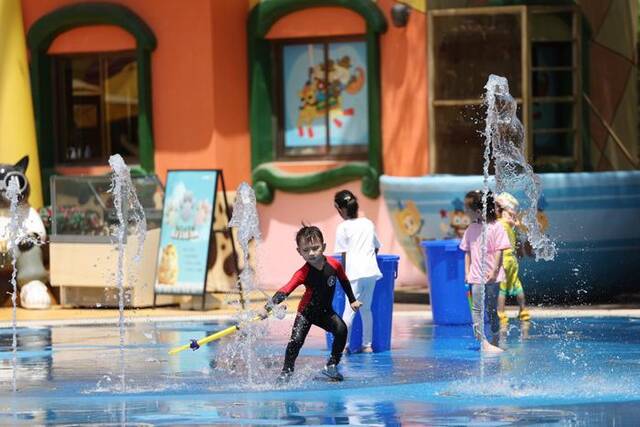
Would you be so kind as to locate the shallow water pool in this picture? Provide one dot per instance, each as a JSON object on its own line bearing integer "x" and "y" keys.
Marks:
{"x": 573, "y": 371}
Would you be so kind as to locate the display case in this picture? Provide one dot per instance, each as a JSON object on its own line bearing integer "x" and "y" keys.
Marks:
{"x": 83, "y": 251}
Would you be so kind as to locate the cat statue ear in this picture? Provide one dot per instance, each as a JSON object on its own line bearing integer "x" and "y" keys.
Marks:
{"x": 22, "y": 164}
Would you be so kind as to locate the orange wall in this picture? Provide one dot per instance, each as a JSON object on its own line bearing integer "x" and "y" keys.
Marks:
{"x": 97, "y": 38}
{"x": 199, "y": 75}
{"x": 199, "y": 85}
{"x": 404, "y": 95}
{"x": 230, "y": 139}
{"x": 318, "y": 21}
{"x": 200, "y": 105}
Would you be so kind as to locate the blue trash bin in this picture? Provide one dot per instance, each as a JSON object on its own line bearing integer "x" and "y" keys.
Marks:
{"x": 444, "y": 261}
{"x": 381, "y": 308}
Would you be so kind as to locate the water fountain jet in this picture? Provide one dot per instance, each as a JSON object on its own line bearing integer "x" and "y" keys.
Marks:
{"x": 130, "y": 214}
{"x": 13, "y": 193}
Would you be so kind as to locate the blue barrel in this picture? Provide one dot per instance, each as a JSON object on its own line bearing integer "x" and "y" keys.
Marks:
{"x": 444, "y": 261}
{"x": 381, "y": 308}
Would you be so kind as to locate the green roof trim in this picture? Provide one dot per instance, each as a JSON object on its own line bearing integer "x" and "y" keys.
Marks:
{"x": 268, "y": 176}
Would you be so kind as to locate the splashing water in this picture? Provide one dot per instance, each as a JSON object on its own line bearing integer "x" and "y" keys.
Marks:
{"x": 245, "y": 217}
{"x": 15, "y": 225}
{"x": 483, "y": 236}
{"x": 245, "y": 220}
{"x": 505, "y": 139}
{"x": 17, "y": 235}
{"x": 130, "y": 218}
{"x": 504, "y": 142}
{"x": 240, "y": 355}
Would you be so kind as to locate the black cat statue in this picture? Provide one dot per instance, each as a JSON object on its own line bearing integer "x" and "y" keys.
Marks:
{"x": 30, "y": 233}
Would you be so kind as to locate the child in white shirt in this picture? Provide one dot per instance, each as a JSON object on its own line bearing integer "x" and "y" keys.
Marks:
{"x": 356, "y": 240}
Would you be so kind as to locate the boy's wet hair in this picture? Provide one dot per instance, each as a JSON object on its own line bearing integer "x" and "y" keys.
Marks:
{"x": 345, "y": 199}
{"x": 473, "y": 200}
{"x": 309, "y": 233}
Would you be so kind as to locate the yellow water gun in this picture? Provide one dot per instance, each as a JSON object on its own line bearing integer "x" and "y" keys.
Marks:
{"x": 195, "y": 344}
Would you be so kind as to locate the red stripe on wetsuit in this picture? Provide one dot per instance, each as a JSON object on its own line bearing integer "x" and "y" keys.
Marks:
{"x": 318, "y": 283}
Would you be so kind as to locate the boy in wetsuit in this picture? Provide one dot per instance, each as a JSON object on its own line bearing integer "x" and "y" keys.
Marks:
{"x": 320, "y": 276}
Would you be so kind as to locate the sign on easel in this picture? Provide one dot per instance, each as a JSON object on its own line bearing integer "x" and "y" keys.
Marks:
{"x": 187, "y": 227}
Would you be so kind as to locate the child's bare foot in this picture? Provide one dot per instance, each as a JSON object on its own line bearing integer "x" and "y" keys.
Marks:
{"x": 367, "y": 349}
{"x": 487, "y": 347}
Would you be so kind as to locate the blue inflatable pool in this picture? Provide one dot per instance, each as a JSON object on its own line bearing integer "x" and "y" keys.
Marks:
{"x": 592, "y": 217}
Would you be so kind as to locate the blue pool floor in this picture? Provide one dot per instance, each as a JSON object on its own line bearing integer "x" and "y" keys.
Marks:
{"x": 559, "y": 371}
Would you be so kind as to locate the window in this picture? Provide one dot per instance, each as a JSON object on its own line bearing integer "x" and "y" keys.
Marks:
{"x": 466, "y": 49}
{"x": 279, "y": 164}
{"x": 554, "y": 90}
{"x": 96, "y": 105}
{"x": 323, "y": 99}
{"x": 541, "y": 60}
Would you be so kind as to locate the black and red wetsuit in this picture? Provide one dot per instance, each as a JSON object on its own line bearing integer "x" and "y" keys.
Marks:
{"x": 315, "y": 308}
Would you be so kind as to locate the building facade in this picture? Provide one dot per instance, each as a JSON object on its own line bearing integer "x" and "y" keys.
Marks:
{"x": 305, "y": 97}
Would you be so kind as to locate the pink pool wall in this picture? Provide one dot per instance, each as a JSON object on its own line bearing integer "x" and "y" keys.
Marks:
{"x": 279, "y": 221}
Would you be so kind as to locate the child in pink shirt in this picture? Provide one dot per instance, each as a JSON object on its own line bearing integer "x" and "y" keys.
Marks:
{"x": 491, "y": 274}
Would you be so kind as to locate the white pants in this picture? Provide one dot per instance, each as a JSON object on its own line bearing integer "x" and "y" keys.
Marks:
{"x": 363, "y": 291}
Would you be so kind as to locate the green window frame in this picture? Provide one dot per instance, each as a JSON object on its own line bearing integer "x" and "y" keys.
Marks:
{"x": 264, "y": 106}
{"x": 39, "y": 38}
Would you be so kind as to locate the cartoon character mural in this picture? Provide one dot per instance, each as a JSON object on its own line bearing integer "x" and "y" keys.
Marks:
{"x": 308, "y": 110}
{"x": 322, "y": 93}
{"x": 456, "y": 222}
{"x": 31, "y": 234}
{"x": 323, "y": 97}
{"x": 186, "y": 214}
{"x": 169, "y": 266}
{"x": 408, "y": 223}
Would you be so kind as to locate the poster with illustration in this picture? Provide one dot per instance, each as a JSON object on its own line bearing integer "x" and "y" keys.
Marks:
{"x": 186, "y": 231}
{"x": 325, "y": 95}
